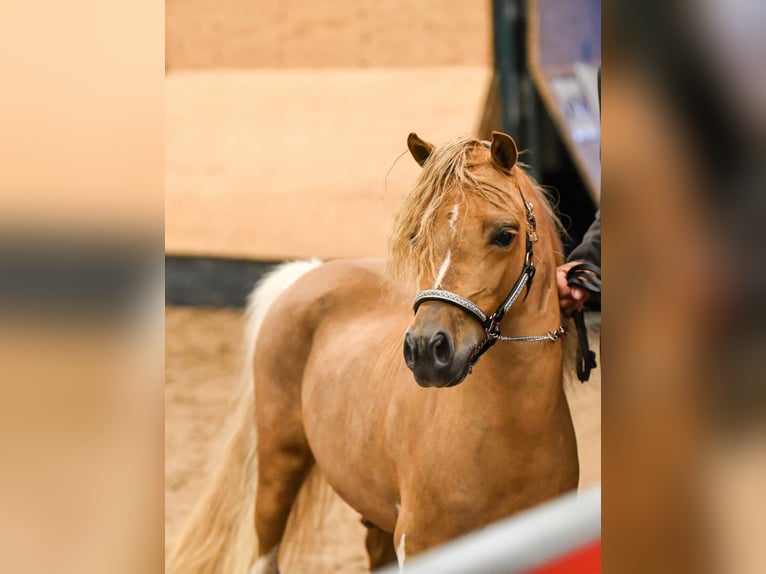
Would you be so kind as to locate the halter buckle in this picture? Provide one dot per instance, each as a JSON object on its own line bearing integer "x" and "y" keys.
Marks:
{"x": 531, "y": 221}
{"x": 528, "y": 260}
{"x": 492, "y": 329}
{"x": 557, "y": 334}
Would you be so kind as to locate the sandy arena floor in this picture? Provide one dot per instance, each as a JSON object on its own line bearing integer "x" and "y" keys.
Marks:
{"x": 202, "y": 364}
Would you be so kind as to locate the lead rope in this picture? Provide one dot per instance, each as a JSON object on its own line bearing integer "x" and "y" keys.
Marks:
{"x": 585, "y": 276}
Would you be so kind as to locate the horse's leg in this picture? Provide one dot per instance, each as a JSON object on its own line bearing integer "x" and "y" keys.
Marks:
{"x": 281, "y": 472}
{"x": 267, "y": 564}
{"x": 380, "y": 547}
{"x": 284, "y": 459}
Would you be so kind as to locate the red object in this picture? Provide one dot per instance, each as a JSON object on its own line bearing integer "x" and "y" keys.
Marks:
{"x": 584, "y": 560}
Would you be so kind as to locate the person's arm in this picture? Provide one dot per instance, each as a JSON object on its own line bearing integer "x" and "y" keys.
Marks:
{"x": 590, "y": 248}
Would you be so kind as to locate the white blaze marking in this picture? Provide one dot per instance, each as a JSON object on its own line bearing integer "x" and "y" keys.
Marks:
{"x": 453, "y": 219}
{"x": 443, "y": 270}
{"x": 401, "y": 555}
{"x": 445, "y": 264}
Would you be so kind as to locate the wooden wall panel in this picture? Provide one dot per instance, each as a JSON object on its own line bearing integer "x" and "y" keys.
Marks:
{"x": 208, "y": 34}
{"x": 291, "y": 163}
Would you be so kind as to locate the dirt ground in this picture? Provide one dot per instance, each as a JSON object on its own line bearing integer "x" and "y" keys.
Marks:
{"x": 203, "y": 361}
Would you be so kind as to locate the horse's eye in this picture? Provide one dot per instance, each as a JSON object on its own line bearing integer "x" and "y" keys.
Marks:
{"x": 502, "y": 238}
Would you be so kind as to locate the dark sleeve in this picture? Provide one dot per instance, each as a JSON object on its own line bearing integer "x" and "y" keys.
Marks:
{"x": 590, "y": 248}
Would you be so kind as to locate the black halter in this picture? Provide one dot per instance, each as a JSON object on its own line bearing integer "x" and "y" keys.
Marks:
{"x": 491, "y": 323}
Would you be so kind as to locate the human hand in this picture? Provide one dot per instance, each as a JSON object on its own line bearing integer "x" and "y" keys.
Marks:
{"x": 571, "y": 299}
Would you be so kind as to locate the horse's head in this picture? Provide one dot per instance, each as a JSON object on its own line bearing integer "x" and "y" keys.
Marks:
{"x": 463, "y": 230}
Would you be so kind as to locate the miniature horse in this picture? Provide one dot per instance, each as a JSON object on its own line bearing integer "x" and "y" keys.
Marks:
{"x": 431, "y": 426}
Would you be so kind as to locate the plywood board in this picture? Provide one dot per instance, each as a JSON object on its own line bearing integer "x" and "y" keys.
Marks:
{"x": 277, "y": 164}
{"x": 211, "y": 34}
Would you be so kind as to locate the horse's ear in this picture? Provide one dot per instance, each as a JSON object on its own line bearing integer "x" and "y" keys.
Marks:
{"x": 503, "y": 151}
{"x": 419, "y": 149}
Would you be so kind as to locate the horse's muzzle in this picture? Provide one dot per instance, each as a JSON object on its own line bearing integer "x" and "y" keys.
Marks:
{"x": 431, "y": 358}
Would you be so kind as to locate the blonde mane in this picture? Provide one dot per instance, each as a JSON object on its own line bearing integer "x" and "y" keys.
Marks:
{"x": 449, "y": 173}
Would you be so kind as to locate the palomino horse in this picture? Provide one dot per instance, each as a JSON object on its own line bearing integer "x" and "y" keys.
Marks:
{"x": 404, "y": 421}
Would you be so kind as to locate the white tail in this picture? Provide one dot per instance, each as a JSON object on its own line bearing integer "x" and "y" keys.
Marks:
{"x": 219, "y": 535}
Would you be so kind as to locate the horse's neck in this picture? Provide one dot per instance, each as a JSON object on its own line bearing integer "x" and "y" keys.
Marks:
{"x": 521, "y": 393}
{"x": 521, "y": 376}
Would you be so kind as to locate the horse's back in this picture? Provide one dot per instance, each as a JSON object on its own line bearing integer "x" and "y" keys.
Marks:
{"x": 334, "y": 297}
{"x": 339, "y": 286}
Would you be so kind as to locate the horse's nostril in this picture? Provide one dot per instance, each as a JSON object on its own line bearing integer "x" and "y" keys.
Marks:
{"x": 410, "y": 352}
{"x": 441, "y": 349}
